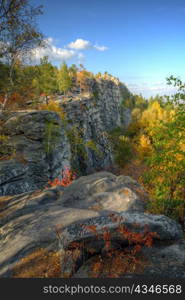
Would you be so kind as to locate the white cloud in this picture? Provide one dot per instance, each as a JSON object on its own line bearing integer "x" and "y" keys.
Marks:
{"x": 147, "y": 89}
{"x": 57, "y": 54}
{"x": 100, "y": 48}
{"x": 81, "y": 44}
{"x": 54, "y": 53}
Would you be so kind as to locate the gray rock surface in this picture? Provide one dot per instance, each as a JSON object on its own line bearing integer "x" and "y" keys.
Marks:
{"x": 41, "y": 151}
{"x": 55, "y": 218}
{"x": 106, "y": 191}
{"x": 43, "y": 146}
{"x": 164, "y": 227}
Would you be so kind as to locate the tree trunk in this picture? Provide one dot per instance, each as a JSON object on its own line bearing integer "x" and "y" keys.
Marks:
{"x": 47, "y": 99}
{"x": 5, "y": 101}
{"x": 11, "y": 83}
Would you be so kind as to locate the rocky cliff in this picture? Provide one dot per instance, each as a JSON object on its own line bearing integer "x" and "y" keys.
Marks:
{"x": 43, "y": 144}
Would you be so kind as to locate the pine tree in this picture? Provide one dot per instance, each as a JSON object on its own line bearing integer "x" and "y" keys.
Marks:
{"x": 64, "y": 80}
{"x": 45, "y": 79}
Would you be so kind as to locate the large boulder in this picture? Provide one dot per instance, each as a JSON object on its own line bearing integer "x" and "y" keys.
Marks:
{"x": 56, "y": 218}
{"x": 105, "y": 191}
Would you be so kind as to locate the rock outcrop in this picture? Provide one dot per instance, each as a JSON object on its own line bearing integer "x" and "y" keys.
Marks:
{"x": 56, "y": 218}
{"x": 44, "y": 144}
{"x": 42, "y": 151}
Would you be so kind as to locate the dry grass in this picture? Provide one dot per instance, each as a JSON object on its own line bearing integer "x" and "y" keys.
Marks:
{"x": 38, "y": 264}
{"x": 116, "y": 265}
{"x": 4, "y": 201}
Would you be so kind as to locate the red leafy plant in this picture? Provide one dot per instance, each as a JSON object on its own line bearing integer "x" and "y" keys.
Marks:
{"x": 67, "y": 178}
{"x": 114, "y": 262}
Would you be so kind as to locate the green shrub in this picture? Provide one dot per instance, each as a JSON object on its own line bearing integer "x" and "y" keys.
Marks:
{"x": 6, "y": 149}
{"x": 121, "y": 146}
{"x": 95, "y": 94}
{"x": 51, "y": 136}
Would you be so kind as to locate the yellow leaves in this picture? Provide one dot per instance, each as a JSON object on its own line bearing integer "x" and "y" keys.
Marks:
{"x": 179, "y": 157}
{"x": 144, "y": 148}
{"x": 153, "y": 115}
{"x": 4, "y": 138}
{"x": 90, "y": 144}
{"x": 144, "y": 141}
{"x": 53, "y": 106}
{"x": 155, "y": 106}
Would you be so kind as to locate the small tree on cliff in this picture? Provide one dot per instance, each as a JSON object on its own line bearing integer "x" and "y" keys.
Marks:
{"x": 82, "y": 80}
{"x": 64, "y": 80}
{"x": 73, "y": 70}
{"x": 46, "y": 79}
{"x": 18, "y": 34}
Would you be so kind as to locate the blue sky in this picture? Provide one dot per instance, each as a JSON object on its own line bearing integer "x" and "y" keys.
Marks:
{"x": 141, "y": 42}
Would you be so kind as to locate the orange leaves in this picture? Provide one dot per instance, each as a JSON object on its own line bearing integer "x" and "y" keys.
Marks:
{"x": 106, "y": 234}
{"x": 67, "y": 178}
{"x": 136, "y": 249}
{"x": 116, "y": 263}
{"x": 107, "y": 238}
{"x": 145, "y": 239}
{"x": 113, "y": 262}
{"x": 108, "y": 259}
{"x": 126, "y": 192}
{"x": 96, "y": 268}
{"x": 91, "y": 228}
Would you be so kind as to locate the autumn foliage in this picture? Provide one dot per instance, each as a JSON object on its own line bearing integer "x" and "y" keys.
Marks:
{"x": 67, "y": 178}
{"x": 53, "y": 106}
{"x": 113, "y": 260}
